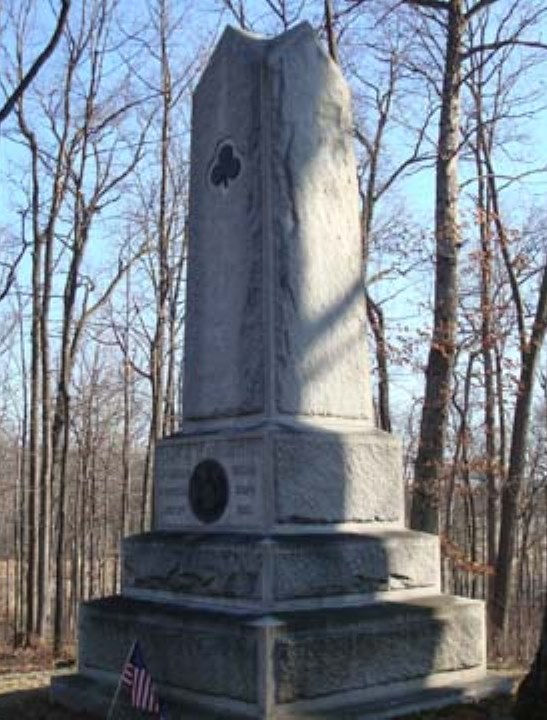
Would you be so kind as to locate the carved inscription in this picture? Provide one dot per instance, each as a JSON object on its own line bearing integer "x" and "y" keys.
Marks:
{"x": 192, "y": 491}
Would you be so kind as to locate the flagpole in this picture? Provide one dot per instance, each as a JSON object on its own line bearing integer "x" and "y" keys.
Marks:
{"x": 120, "y": 683}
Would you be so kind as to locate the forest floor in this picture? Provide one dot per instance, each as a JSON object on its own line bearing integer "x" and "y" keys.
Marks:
{"x": 24, "y": 686}
{"x": 25, "y": 676}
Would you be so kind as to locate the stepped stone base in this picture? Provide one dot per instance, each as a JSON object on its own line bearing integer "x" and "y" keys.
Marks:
{"x": 262, "y": 572}
{"x": 287, "y": 664}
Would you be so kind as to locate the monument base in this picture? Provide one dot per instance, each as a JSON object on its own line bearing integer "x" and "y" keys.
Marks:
{"x": 284, "y": 625}
{"x": 316, "y": 663}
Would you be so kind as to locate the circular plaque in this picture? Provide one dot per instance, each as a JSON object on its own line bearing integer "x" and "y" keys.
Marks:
{"x": 208, "y": 491}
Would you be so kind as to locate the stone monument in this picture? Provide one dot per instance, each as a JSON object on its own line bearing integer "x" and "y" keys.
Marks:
{"x": 279, "y": 580}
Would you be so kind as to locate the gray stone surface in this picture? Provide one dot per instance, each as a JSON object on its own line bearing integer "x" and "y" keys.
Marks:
{"x": 225, "y": 334}
{"x": 269, "y": 573}
{"x": 328, "y": 478}
{"x": 277, "y": 478}
{"x": 349, "y": 565}
{"x": 200, "y": 566}
{"x": 320, "y": 358}
{"x": 280, "y": 329}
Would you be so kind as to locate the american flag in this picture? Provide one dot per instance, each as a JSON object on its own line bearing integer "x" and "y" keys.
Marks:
{"x": 137, "y": 678}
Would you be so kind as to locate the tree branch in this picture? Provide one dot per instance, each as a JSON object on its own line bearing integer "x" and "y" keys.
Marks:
{"x": 437, "y": 4}
{"x": 498, "y": 45}
{"x": 478, "y": 7}
{"x": 329, "y": 28}
{"x": 237, "y": 12}
{"x": 36, "y": 66}
{"x": 362, "y": 138}
{"x": 12, "y": 271}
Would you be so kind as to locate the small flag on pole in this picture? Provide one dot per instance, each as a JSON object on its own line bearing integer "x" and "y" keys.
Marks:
{"x": 137, "y": 678}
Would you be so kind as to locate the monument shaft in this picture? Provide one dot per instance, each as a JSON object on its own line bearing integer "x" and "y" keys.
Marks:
{"x": 275, "y": 319}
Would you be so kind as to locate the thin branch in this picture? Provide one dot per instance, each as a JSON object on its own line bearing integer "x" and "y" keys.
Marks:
{"x": 37, "y": 65}
{"x": 437, "y": 4}
{"x": 12, "y": 272}
{"x": 237, "y": 12}
{"x": 478, "y": 7}
{"x": 510, "y": 42}
{"x": 362, "y": 138}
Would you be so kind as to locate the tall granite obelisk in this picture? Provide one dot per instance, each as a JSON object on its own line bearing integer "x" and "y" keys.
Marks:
{"x": 279, "y": 580}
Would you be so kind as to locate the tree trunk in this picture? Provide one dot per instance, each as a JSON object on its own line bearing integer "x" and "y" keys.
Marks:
{"x": 531, "y": 700}
{"x": 329, "y": 28}
{"x": 376, "y": 321}
{"x": 35, "y": 396}
{"x": 158, "y": 347}
{"x": 488, "y": 339}
{"x": 44, "y": 497}
{"x": 21, "y": 480}
{"x": 517, "y": 462}
{"x": 428, "y": 471}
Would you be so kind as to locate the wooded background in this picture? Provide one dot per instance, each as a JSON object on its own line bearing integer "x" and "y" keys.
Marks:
{"x": 95, "y": 106}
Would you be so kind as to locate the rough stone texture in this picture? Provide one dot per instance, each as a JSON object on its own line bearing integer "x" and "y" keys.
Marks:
{"x": 391, "y": 643}
{"x": 194, "y": 566}
{"x": 272, "y": 572}
{"x": 331, "y": 478}
{"x": 322, "y": 567}
{"x": 277, "y": 477}
{"x": 83, "y": 694}
{"x": 281, "y": 327}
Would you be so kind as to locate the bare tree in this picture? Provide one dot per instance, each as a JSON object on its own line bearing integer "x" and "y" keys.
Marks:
{"x": 531, "y": 345}
{"x": 493, "y": 230}
{"x": 330, "y": 32}
{"x": 380, "y": 95}
{"x": 237, "y": 9}
{"x": 454, "y": 18}
{"x": 78, "y": 168}
{"x": 160, "y": 218}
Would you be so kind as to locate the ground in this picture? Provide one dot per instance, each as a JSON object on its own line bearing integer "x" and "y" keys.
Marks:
{"x": 24, "y": 685}
{"x": 25, "y": 697}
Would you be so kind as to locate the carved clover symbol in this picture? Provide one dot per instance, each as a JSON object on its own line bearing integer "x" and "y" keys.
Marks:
{"x": 227, "y": 166}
